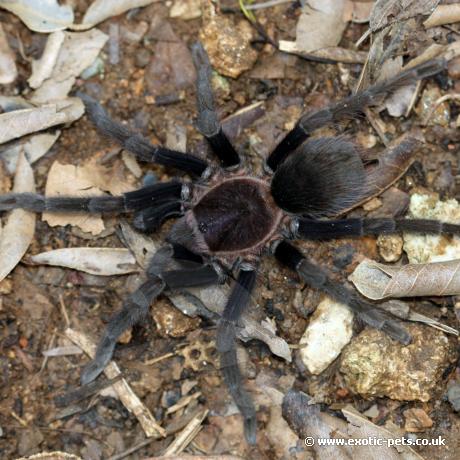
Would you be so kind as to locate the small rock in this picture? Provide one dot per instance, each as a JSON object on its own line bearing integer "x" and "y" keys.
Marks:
{"x": 227, "y": 44}
{"x": 185, "y": 9}
{"x": 417, "y": 420}
{"x": 343, "y": 256}
{"x": 441, "y": 115}
{"x": 453, "y": 395}
{"x": 372, "y": 205}
{"x": 432, "y": 248}
{"x": 372, "y": 412}
{"x": 143, "y": 57}
{"x": 29, "y": 440}
{"x": 171, "y": 322}
{"x": 6, "y": 286}
{"x": 329, "y": 330}
{"x": 390, "y": 247}
{"x": 373, "y": 364}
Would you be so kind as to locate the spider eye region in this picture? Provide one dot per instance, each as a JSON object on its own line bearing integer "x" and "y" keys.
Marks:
{"x": 235, "y": 215}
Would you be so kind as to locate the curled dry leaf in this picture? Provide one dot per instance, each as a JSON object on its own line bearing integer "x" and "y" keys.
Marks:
{"x": 21, "y": 122}
{"x": 379, "y": 281}
{"x": 100, "y": 10}
{"x": 19, "y": 229}
{"x": 42, "y": 16}
{"x": 96, "y": 261}
{"x": 43, "y": 68}
{"x": 8, "y": 70}
{"x": 62, "y": 63}
{"x": 443, "y": 14}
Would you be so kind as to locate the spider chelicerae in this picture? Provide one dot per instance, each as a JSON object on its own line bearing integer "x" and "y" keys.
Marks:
{"x": 229, "y": 217}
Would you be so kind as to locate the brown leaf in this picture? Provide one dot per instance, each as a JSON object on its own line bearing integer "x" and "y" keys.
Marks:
{"x": 68, "y": 180}
{"x": 443, "y": 14}
{"x": 378, "y": 281}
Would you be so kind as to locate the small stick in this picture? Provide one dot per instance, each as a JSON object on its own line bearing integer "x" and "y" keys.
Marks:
{"x": 127, "y": 396}
{"x": 64, "y": 311}
{"x": 185, "y": 401}
{"x": 186, "y": 436}
{"x": 149, "y": 362}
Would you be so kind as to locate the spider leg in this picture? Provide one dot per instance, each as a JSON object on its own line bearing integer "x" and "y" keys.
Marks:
{"x": 329, "y": 229}
{"x": 208, "y": 121}
{"x": 226, "y": 334}
{"x": 318, "y": 278}
{"x": 347, "y": 109}
{"x": 136, "y": 309}
{"x": 138, "y": 144}
{"x": 145, "y": 197}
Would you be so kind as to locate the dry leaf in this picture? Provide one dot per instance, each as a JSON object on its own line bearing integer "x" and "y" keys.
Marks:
{"x": 320, "y": 25}
{"x": 96, "y": 261}
{"x": 76, "y": 53}
{"x": 8, "y": 70}
{"x": 387, "y": 12}
{"x": 67, "y": 180}
{"x": 443, "y": 14}
{"x": 42, "y": 16}
{"x": 100, "y": 10}
{"x": 33, "y": 148}
{"x": 19, "y": 229}
{"x": 43, "y": 68}
{"x": 21, "y": 122}
{"x": 379, "y": 281}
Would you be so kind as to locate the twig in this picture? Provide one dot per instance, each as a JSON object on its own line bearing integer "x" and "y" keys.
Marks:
{"x": 268, "y": 4}
{"x": 183, "y": 402}
{"x": 50, "y": 344}
{"x": 186, "y": 436}
{"x": 149, "y": 362}
{"x": 127, "y": 396}
{"x": 64, "y": 311}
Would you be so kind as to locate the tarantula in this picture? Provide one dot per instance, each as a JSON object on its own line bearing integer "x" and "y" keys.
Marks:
{"x": 230, "y": 217}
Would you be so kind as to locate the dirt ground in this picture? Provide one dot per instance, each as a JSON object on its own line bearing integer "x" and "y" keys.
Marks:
{"x": 34, "y": 298}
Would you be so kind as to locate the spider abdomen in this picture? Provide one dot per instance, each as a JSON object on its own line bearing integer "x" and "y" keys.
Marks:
{"x": 236, "y": 215}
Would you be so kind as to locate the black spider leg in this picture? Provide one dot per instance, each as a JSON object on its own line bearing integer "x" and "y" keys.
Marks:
{"x": 145, "y": 197}
{"x": 139, "y": 145}
{"x": 136, "y": 308}
{"x": 329, "y": 229}
{"x": 347, "y": 109}
{"x": 208, "y": 121}
{"x": 226, "y": 346}
{"x": 318, "y": 278}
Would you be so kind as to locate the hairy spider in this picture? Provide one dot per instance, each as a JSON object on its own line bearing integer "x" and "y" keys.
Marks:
{"x": 230, "y": 217}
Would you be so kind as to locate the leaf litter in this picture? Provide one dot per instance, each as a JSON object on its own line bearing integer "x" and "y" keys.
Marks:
{"x": 44, "y": 74}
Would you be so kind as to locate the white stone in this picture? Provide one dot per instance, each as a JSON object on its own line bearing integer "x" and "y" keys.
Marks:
{"x": 431, "y": 248}
{"x": 329, "y": 330}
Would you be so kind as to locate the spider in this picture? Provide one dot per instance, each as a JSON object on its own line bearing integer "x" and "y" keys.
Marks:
{"x": 229, "y": 217}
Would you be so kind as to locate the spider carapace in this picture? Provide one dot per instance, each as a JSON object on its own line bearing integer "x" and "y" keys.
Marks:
{"x": 230, "y": 216}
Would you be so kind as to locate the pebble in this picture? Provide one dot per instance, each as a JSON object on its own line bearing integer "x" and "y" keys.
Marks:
{"x": 171, "y": 322}
{"x": 227, "y": 43}
{"x": 373, "y": 364}
{"x": 329, "y": 330}
{"x": 390, "y": 247}
{"x": 441, "y": 115}
{"x": 432, "y": 248}
{"x": 417, "y": 420}
{"x": 453, "y": 395}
